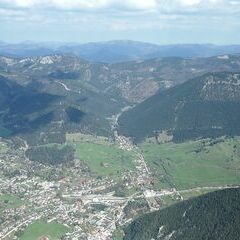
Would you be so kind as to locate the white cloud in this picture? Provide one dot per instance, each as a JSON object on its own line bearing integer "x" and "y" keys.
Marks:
{"x": 111, "y": 19}
{"x": 98, "y": 4}
{"x": 163, "y": 7}
{"x": 200, "y": 3}
{"x": 190, "y": 2}
{"x": 235, "y": 2}
{"x": 82, "y": 4}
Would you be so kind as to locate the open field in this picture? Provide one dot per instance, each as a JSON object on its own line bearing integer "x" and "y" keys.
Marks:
{"x": 195, "y": 163}
{"x": 3, "y": 147}
{"x": 9, "y": 201}
{"x": 79, "y": 137}
{"x": 53, "y": 231}
{"x": 104, "y": 160}
{"x": 169, "y": 200}
{"x": 102, "y": 157}
{"x": 118, "y": 235}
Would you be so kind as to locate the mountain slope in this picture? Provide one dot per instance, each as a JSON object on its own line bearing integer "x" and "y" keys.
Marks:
{"x": 23, "y": 109}
{"x": 212, "y": 216}
{"x": 207, "y": 106}
{"x": 45, "y": 116}
{"x": 93, "y": 93}
{"x": 131, "y": 82}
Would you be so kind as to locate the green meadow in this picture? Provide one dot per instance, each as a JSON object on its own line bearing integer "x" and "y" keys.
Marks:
{"x": 105, "y": 160}
{"x": 53, "y": 230}
{"x": 9, "y": 201}
{"x": 102, "y": 158}
{"x": 194, "y": 163}
{"x": 3, "y": 147}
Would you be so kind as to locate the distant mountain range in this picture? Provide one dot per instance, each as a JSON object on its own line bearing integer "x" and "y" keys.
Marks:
{"x": 212, "y": 216}
{"x": 117, "y": 51}
{"x": 207, "y": 106}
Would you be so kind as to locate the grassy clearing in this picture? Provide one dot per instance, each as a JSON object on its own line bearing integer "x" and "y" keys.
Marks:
{"x": 53, "y": 230}
{"x": 105, "y": 160}
{"x": 118, "y": 234}
{"x": 79, "y": 137}
{"x": 194, "y": 193}
{"x": 169, "y": 200}
{"x": 195, "y": 163}
{"x": 9, "y": 201}
{"x": 3, "y": 147}
{"x": 102, "y": 157}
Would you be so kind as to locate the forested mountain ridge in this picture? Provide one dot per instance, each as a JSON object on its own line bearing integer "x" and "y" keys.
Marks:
{"x": 132, "y": 81}
{"x": 212, "y": 216}
{"x": 93, "y": 93}
{"x": 206, "y": 106}
{"x": 44, "y": 117}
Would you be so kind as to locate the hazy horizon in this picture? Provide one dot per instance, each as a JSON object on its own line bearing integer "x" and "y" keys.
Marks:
{"x": 161, "y": 22}
{"x": 59, "y": 43}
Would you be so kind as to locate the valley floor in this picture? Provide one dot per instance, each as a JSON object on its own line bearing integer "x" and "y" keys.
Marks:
{"x": 109, "y": 184}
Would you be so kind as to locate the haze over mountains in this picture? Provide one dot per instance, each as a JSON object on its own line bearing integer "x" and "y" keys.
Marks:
{"x": 97, "y": 91}
{"x": 109, "y": 139}
{"x": 117, "y": 51}
{"x": 123, "y": 130}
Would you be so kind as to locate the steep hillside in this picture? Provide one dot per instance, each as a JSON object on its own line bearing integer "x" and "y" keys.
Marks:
{"x": 22, "y": 109}
{"x": 44, "y": 116}
{"x": 207, "y": 106}
{"x": 212, "y": 216}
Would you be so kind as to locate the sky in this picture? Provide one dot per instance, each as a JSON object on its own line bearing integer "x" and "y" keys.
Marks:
{"x": 156, "y": 21}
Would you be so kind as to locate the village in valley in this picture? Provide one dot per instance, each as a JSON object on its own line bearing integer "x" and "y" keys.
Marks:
{"x": 86, "y": 206}
{"x": 109, "y": 184}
